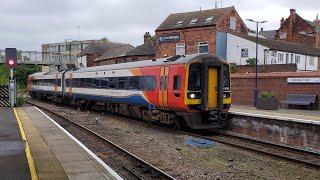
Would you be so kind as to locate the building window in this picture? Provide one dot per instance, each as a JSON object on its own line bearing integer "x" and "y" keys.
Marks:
{"x": 297, "y": 59}
{"x": 203, "y": 47}
{"x": 280, "y": 57}
{"x": 208, "y": 19}
{"x": 180, "y": 49}
{"x": 283, "y": 35}
{"x": 311, "y": 61}
{"x": 244, "y": 52}
{"x": 233, "y": 22}
{"x": 194, "y": 20}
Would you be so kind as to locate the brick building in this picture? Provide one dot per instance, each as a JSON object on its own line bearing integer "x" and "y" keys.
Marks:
{"x": 196, "y": 32}
{"x": 298, "y": 30}
{"x": 96, "y": 50}
{"x": 143, "y": 52}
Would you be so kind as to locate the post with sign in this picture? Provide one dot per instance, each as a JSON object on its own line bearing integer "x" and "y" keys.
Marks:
{"x": 11, "y": 62}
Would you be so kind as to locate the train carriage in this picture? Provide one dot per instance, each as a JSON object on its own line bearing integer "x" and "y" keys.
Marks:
{"x": 191, "y": 90}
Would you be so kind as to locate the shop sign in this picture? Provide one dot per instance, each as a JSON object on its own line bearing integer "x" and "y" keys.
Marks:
{"x": 304, "y": 80}
{"x": 169, "y": 38}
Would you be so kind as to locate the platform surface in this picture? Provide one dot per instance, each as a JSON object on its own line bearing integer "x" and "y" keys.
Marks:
{"x": 56, "y": 155}
{"x": 304, "y": 116}
{"x": 13, "y": 160}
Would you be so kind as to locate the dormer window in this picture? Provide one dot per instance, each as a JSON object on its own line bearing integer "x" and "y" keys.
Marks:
{"x": 209, "y": 19}
{"x": 179, "y": 23}
{"x": 194, "y": 20}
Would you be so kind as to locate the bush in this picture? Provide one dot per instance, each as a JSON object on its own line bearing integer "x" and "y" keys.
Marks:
{"x": 251, "y": 61}
{"x": 267, "y": 94}
{"x": 233, "y": 68}
{"x": 21, "y": 101}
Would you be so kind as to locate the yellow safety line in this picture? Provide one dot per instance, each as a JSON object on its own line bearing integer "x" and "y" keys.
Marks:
{"x": 32, "y": 167}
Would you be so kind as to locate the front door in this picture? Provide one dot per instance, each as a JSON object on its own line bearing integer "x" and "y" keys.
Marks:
{"x": 163, "y": 91}
{"x": 212, "y": 88}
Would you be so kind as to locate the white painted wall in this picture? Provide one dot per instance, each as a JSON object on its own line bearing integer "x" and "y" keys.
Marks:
{"x": 234, "y": 46}
{"x": 265, "y": 55}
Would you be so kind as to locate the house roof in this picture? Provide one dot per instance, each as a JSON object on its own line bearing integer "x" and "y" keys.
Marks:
{"x": 145, "y": 49}
{"x": 185, "y": 19}
{"x": 98, "y": 48}
{"x": 115, "y": 51}
{"x": 269, "y": 34}
{"x": 315, "y": 24}
{"x": 283, "y": 46}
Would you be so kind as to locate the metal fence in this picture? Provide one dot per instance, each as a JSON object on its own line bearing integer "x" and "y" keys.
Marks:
{"x": 4, "y": 96}
{"x": 41, "y": 58}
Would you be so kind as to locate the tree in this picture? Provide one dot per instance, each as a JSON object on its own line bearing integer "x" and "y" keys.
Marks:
{"x": 104, "y": 40}
{"x": 251, "y": 61}
{"x": 251, "y": 30}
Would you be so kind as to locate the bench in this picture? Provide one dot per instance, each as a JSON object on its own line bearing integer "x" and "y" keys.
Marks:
{"x": 301, "y": 100}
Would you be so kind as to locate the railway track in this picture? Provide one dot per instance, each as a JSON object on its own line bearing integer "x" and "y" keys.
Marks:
{"x": 277, "y": 151}
{"x": 126, "y": 164}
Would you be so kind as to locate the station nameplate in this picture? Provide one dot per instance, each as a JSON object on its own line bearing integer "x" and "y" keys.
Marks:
{"x": 304, "y": 80}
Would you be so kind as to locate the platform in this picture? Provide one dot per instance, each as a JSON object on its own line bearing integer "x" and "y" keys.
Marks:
{"x": 57, "y": 154}
{"x": 13, "y": 159}
{"x": 296, "y": 115}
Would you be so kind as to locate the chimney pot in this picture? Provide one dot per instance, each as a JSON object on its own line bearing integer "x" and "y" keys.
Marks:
{"x": 282, "y": 21}
{"x": 292, "y": 12}
{"x": 146, "y": 37}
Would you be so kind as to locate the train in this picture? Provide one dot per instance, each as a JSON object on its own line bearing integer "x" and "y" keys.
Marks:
{"x": 190, "y": 91}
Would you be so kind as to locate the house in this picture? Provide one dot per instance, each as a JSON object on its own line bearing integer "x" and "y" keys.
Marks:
{"x": 297, "y": 30}
{"x": 241, "y": 47}
{"x": 142, "y": 52}
{"x": 196, "y": 32}
{"x": 96, "y": 50}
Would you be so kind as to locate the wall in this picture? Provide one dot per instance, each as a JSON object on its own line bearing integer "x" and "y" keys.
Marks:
{"x": 124, "y": 59}
{"x": 243, "y": 85}
{"x": 191, "y": 37}
{"x": 267, "y": 68}
{"x": 236, "y": 43}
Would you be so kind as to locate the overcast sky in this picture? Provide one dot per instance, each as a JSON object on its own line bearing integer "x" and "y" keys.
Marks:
{"x": 26, "y": 24}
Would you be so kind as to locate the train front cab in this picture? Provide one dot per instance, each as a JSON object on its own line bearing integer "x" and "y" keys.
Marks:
{"x": 208, "y": 93}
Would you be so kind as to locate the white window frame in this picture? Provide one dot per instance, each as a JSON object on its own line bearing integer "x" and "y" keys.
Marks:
{"x": 181, "y": 45}
{"x": 311, "y": 60}
{"x": 283, "y": 35}
{"x": 233, "y": 23}
{"x": 280, "y": 57}
{"x": 202, "y": 44}
{"x": 297, "y": 57}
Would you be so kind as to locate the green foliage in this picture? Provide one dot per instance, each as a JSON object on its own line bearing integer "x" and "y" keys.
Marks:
{"x": 21, "y": 73}
{"x": 251, "y": 30}
{"x": 267, "y": 94}
{"x": 251, "y": 61}
{"x": 104, "y": 40}
{"x": 21, "y": 101}
{"x": 233, "y": 68}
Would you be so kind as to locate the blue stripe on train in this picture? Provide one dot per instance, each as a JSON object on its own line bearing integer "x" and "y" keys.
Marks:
{"x": 135, "y": 99}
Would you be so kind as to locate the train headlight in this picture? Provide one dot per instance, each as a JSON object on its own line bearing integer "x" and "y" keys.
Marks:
{"x": 194, "y": 95}
{"x": 224, "y": 95}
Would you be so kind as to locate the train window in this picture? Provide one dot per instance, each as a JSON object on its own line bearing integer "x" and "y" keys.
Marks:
{"x": 83, "y": 83}
{"x": 134, "y": 83}
{"x": 177, "y": 82}
{"x": 226, "y": 79}
{"x": 194, "y": 77}
{"x": 75, "y": 83}
{"x": 105, "y": 83}
{"x": 96, "y": 82}
{"x": 112, "y": 83}
{"x": 122, "y": 83}
{"x": 148, "y": 83}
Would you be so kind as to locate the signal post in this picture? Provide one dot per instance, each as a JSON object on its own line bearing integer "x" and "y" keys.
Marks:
{"x": 11, "y": 62}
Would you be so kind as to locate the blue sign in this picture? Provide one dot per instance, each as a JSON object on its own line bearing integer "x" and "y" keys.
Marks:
{"x": 169, "y": 38}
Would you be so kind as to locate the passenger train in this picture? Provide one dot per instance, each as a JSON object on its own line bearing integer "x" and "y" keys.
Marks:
{"x": 191, "y": 90}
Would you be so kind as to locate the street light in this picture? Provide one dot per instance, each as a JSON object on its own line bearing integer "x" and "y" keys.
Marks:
{"x": 255, "y": 91}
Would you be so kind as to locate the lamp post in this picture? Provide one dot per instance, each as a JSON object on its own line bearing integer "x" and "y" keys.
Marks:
{"x": 255, "y": 91}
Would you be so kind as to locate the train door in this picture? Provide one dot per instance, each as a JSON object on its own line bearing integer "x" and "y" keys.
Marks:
{"x": 56, "y": 84}
{"x": 163, "y": 90}
{"x": 212, "y": 88}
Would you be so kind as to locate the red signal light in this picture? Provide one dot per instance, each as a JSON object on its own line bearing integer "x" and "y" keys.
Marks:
{"x": 11, "y": 62}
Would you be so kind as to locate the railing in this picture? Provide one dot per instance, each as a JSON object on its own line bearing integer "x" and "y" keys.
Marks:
{"x": 41, "y": 58}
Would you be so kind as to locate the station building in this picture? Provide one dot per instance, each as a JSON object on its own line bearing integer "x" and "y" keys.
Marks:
{"x": 196, "y": 32}
{"x": 238, "y": 48}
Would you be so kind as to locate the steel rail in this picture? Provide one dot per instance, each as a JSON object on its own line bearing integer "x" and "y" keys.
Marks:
{"x": 161, "y": 174}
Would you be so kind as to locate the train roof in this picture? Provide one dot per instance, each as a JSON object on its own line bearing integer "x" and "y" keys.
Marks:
{"x": 147, "y": 63}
